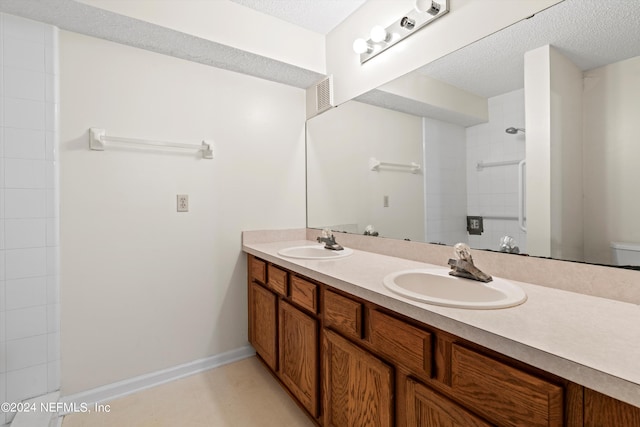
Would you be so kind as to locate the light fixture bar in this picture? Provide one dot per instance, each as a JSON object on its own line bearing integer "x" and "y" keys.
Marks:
{"x": 407, "y": 25}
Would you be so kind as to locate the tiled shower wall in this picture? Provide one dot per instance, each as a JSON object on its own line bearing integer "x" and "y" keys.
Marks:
{"x": 29, "y": 230}
{"x": 445, "y": 182}
{"x": 494, "y": 191}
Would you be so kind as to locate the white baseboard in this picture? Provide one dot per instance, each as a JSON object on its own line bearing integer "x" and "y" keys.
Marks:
{"x": 132, "y": 385}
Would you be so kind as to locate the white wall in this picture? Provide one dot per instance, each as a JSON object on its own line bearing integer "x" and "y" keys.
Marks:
{"x": 494, "y": 191}
{"x": 537, "y": 85}
{"x": 466, "y": 22}
{"x": 343, "y": 191}
{"x": 554, "y": 154}
{"x": 445, "y": 182}
{"x": 143, "y": 287}
{"x": 29, "y": 233}
{"x": 566, "y": 159}
{"x": 611, "y": 153}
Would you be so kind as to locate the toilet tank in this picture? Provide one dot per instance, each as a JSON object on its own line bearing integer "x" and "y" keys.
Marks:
{"x": 625, "y": 253}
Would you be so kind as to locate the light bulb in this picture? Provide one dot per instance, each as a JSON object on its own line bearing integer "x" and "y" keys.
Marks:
{"x": 379, "y": 34}
{"x": 361, "y": 46}
{"x": 429, "y": 6}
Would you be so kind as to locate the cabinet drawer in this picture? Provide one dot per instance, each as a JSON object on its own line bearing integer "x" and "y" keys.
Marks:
{"x": 304, "y": 293}
{"x": 503, "y": 394}
{"x": 401, "y": 342}
{"x": 277, "y": 280}
{"x": 258, "y": 270}
{"x": 343, "y": 314}
{"x": 427, "y": 408}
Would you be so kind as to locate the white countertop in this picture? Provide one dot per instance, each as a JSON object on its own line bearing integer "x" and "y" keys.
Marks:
{"x": 589, "y": 340}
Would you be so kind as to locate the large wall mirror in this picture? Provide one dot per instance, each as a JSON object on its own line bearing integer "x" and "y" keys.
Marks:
{"x": 532, "y": 133}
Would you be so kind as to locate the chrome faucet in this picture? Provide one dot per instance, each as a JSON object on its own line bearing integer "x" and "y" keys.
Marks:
{"x": 508, "y": 244}
{"x": 329, "y": 240}
{"x": 462, "y": 265}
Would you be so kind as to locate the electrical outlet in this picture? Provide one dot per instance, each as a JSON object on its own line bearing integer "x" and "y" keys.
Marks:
{"x": 385, "y": 201}
{"x": 183, "y": 202}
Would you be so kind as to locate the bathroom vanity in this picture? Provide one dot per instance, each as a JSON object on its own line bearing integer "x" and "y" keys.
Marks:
{"x": 353, "y": 354}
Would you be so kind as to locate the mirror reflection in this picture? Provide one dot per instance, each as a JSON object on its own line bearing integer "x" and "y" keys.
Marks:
{"x": 530, "y": 133}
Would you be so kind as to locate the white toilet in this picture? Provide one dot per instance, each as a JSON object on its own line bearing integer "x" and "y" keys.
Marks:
{"x": 624, "y": 253}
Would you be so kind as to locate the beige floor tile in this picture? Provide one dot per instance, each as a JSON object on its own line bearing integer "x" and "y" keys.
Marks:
{"x": 236, "y": 395}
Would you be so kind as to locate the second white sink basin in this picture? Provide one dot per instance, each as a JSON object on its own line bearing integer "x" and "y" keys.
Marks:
{"x": 436, "y": 286}
{"x": 314, "y": 252}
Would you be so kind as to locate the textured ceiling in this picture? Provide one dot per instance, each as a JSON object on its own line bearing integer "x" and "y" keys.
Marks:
{"x": 320, "y": 16}
{"x": 591, "y": 33}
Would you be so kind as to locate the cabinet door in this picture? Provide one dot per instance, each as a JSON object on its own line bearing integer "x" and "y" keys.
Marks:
{"x": 426, "y": 408}
{"x": 604, "y": 411}
{"x": 357, "y": 386}
{"x": 262, "y": 323}
{"x": 299, "y": 355}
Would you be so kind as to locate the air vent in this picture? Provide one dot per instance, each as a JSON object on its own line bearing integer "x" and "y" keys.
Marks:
{"x": 324, "y": 94}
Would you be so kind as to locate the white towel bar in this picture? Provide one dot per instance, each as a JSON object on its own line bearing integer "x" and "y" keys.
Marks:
{"x": 481, "y": 165}
{"x": 375, "y": 164}
{"x": 521, "y": 195}
{"x": 97, "y": 138}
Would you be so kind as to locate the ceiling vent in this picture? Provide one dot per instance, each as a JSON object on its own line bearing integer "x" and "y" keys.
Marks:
{"x": 324, "y": 95}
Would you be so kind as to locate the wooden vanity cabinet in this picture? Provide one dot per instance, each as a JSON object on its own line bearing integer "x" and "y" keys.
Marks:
{"x": 351, "y": 363}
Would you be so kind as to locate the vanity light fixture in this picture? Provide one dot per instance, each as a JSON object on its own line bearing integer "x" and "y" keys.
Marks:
{"x": 362, "y": 47}
{"x": 379, "y": 34}
{"x": 381, "y": 39}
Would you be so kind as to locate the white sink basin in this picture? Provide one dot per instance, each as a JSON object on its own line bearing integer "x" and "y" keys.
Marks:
{"x": 436, "y": 286}
{"x": 314, "y": 252}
